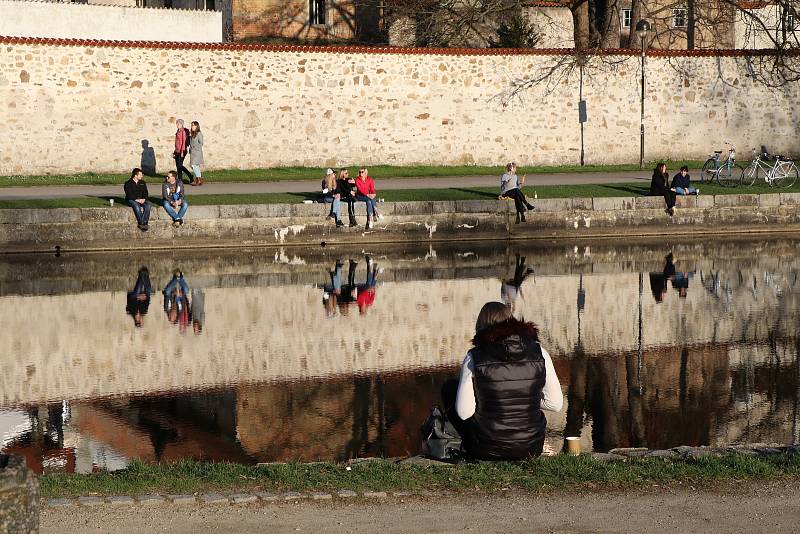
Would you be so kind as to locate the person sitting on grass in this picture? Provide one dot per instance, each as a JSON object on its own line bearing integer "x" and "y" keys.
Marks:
{"x": 174, "y": 198}
{"x": 507, "y": 379}
{"x": 331, "y": 195}
{"x": 681, "y": 183}
{"x": 136, "y": 196}
{"x": 511, "y": 187}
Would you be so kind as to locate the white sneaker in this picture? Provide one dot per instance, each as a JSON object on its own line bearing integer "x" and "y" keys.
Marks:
{"x": 369, "y": 225}
{"x": 697, "y": 192}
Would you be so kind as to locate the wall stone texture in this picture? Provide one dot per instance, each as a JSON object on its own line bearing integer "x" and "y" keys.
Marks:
{"x": 25, "y": 18}
{"x": 90, "y": 108}
{"x": 19, "y": 496}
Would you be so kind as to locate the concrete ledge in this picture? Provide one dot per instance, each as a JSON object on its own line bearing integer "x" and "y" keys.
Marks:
{"x": 306, "y": 224}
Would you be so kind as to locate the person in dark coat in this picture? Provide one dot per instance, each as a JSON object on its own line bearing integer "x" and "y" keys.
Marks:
{"x": 659, "y": 186}
{"x": 507, "y": 379}
{"x": 346, "y": 185}
{"x": 138, "y": 301}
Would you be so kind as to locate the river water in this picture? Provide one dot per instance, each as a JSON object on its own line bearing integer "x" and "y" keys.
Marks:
{"x": 262, "y": 355}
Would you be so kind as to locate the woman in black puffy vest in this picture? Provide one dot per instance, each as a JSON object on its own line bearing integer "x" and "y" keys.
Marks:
{"x": 507, "y": 379}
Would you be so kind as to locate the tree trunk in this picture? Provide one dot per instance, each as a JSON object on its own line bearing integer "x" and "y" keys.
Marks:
{"x": 580, "y": 22}
{"x": 610, "y": 26}
{"x": 636, "y": 16}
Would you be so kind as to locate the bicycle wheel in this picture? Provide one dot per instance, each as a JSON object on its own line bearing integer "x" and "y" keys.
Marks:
{"x": 709, "y": 172}
{"x": 785, "y": 176}
{"x": 730, "y": 176}
{"x": 750, "y": 175}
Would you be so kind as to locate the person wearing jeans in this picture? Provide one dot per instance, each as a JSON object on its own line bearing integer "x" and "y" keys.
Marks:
{"x": 365, "y": 192}
{"x": 510, "y": 187}
{"x": 136, "y": 197}
{"x": 331, "y": 195}
{"x": 174, "y": 198}
{"x": 181, "y": 149}
{"x": 682, "y": 183}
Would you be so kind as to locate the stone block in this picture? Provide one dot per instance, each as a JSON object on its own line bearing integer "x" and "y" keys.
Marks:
{"x": 16, "y": 216}
{"x": 311, "y": 210}
{"x": 91, "y": 501}
{"x": 243, "y": 498}
{"x": 106, "y": 214}
{"x": 649, "y": 203}
{"x": 121, "y": 500}
{"x": 668, "y": 454}
{"x": 147, "y": 500}
{"x": 55, "y": 215}
{"x": 346, "y": 494}
{"x": 213, "y": 498}
{"x": 581, "y": 203}
{"x": 421, "y": 461}
{"x": 724, "y": 201}
{"x": 612, "y": 203}
{"x": 769, "y": 200}
{"x": 705, "y": 201}
{"x": 685, "y": 201}
{"x": 790, "y": 199}
{"x": 375, "y": 495}
{"x": 607, "y": 457}
{"x": 202, "y": 212}
{"x": 443, "y": 206}
{"x": 182, "y": 499}
{"x": 630, "y": 451}
{"x": 412, "y": 208}
{"x": 546, "y": 205}
{"x": 319, "y": 496}
{"x": 293, "y": 496}
{"x": 483, "y": 206}
{"x": 266, "y": 496}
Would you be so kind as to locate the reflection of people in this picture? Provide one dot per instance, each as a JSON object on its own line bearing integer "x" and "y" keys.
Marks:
{"x": 507, "y": 379}
{"x": 349, "y": 291}
{"x": 176, "y": 300}
{"x": 139, "y": 297}
{"x": 198, "y": 310}
{"x": 680, "y": 282}
{"x": 658, "y": 281}
{"x": 366, "y": 291}
{"x": 331, "y": 293}
{"x": 511, "y": 289}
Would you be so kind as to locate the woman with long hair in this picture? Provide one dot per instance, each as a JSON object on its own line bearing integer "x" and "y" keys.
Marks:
{"x": 196, "y": 152}
{"x": 507, "y": 379}
{"x": 659, "y": 186}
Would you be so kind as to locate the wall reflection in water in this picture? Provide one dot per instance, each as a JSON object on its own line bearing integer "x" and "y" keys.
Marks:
{"x": 654, "y": 350}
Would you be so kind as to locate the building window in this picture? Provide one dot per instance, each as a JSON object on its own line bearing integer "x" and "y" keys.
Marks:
{"x": 626, "y": 18}
{"x": 679, "y": 18}
{"x": 316, "y": 12}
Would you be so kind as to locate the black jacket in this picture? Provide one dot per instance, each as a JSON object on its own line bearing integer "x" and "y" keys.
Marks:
{"x": 134, "y": 191}
{"x": 346, "y": 189}
{"x": 508, "y": 378}
{"x": 659, "y": 183}
{"x": 681, "y": 181}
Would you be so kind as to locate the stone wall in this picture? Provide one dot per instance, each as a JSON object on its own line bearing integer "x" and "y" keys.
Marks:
{"x": 31, "y": 18}
{"x": 271, "y": 106}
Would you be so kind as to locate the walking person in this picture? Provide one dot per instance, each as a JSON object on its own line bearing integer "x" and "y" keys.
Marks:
{"x": 511, "y": 187}
{"x": 507, "y": 379}
{"x": 365, "y": 187}
{"x": 331, "y": 195}
{"x": 181, "y": 148}
{"x": 174, "y": 198}
{"x": 136, "y": 196}
{"x": 659, "y": 186}
{"x": 347, "y": 193}
{"x": 196, "y": 152}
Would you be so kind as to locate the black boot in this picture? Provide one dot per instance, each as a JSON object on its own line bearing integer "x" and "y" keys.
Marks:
{"x": 353, "y": 221}
{"x": 518, "y": 218}
{"x": 530, "y": 206}
{"x": 522, "y": 217}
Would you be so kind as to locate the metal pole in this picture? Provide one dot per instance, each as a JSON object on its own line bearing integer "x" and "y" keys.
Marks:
{"x": 641, "y": 118}
{"x": 580, "y": 98}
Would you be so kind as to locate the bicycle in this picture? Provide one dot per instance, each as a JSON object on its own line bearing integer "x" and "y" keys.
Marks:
{"x": 726, "y": 173}
{"x": 782, "y": 173}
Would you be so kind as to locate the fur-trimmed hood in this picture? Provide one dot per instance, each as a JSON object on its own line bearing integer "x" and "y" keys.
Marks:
{"x": 510, "y": 327}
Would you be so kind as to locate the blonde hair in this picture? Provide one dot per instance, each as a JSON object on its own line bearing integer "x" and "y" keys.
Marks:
{"x": 342, "y": 173}
{"x": 330, "y": 181}
{"x": 491, "y": 314}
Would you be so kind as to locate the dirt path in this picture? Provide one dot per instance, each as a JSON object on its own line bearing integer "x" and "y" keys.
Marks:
{"x": 772, "y": 507}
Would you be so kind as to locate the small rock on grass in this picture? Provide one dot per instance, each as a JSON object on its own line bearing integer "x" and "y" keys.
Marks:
{"x": 183, "y": 499}
{"x": 214, "y": 498}
{"x": 121, "y": 500}
{"x": 345, "y": 494}
{"x": 242, "y": 498}
{"x": 375, "y": 494}
{"x": 151, "y": 499}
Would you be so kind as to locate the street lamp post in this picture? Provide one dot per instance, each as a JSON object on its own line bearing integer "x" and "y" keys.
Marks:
{"x": 642, "y": 27}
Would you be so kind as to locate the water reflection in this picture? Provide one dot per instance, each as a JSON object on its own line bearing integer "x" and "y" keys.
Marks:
{"x": 276, "y": 376}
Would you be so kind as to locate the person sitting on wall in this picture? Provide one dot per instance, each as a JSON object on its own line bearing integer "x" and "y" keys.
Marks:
{"x": 346, "y": 185}
{"x": 507, "y": 379}
{"x": 136, "y": 196}
{"x": 681, "y": 183}
{"x": 331, "y": 195}
{"x": 365, "y": 192}
{"x": 173, "y": 195}
{"x": 659, "y": 186}
{"x": 511, "y": 187}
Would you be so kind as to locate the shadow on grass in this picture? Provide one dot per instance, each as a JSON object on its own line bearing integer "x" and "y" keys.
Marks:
{"x": 631, "y": 189}
{"x": 476, "y": 192}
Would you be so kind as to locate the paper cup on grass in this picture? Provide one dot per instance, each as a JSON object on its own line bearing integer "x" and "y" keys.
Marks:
{"x": 573, "y": 445}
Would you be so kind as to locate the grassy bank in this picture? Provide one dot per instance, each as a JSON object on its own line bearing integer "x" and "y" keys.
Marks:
{"x": 559, "y": 472}
{"x": 383, "y": 172}
{"x": 397, "y": 195}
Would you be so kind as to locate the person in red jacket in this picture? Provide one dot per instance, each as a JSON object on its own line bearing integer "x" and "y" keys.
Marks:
{"x": 181, "y": 149}
{"x": 366, "y": 291}
{"x": 365, "y": 192}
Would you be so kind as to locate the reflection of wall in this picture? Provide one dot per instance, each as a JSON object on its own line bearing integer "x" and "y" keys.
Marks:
{"x": 85, "y": 346}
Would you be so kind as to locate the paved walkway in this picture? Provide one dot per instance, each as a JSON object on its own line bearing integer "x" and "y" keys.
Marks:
{"x": 301, "y": 186}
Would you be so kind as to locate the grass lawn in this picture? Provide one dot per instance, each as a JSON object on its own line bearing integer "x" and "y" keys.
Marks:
{"x": 558, "y": 472}
{"x": 398, "y": 195}
{"x": 315, "y": 173}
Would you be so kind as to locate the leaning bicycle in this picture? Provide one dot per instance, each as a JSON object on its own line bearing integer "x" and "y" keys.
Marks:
{"x": 782, "y": 173}
{"x": 726, "y": 173}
